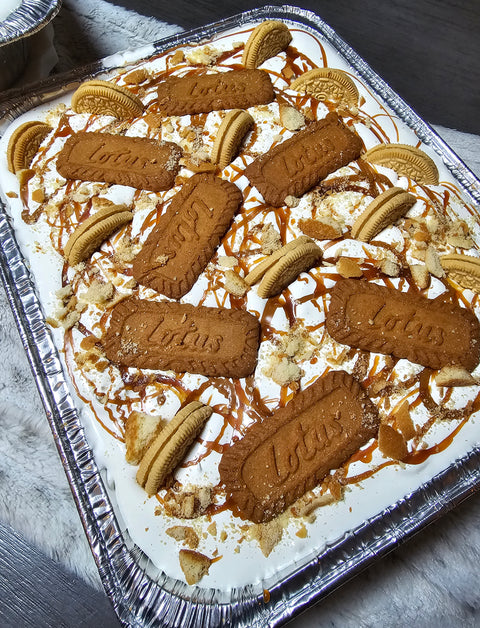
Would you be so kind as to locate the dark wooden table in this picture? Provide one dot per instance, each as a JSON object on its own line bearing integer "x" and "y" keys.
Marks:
{"x": 429, "y": 51}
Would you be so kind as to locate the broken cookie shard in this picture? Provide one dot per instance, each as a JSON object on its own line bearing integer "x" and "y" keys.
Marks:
{"x": 138, "y": 162}
{"x": 237, "y": 89}
{"x": 215, "y": 342}
{"x": 406, "y": 325}
{"x": 299, "y": 163}
{"x": 291, "y": 451}
{"x": 187, "y": 235}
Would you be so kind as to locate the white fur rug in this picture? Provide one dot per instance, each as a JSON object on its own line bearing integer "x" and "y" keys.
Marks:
{"x": 433, "y": 580}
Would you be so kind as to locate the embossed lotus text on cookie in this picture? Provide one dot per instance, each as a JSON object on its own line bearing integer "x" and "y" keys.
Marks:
{"x": 134, "y": 161}
{"x": 174, "y": 336}
{"x": 291, "y": 451}
{"x": 238, "y": 89}
{"x": 406, "y": 325}
{"x": 186, "y": 236}
{"x": 296, "y": 165}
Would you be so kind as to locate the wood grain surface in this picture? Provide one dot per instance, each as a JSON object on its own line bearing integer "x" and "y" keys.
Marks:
{"x": 427, "y": 50}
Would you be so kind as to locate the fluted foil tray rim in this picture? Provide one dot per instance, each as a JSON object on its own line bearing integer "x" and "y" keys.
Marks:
{"x": 137, "y": 598}
{"x": 30, "y": 17}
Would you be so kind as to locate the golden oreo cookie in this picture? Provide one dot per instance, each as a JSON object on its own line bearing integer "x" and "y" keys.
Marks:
{"x": 265, "y": 41}
{"x": 288, "y": 268}
{"x": 105, "y": 98}
{"x": 463, "y": 269}
{"x": 406, "y": 160}
{"x": 327, "y": 84}
{"x": 261, "y": 268}
{"x": 24, "y": 143}
{"x": 171, "y": 445}
{"x": 90, "y": 233}
{"x": 384, "y": 210}
{"x": 231, "y": 133}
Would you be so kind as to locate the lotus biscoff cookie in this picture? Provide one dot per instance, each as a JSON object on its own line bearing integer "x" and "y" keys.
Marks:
{"x": 134, "y": 161}
{"x": 238, "y": 89}
{"x": 288, "y": 453}
{"x": 299, "y": 163}
{"x": 215, "y": 342}
{"x": 407, "y": 325}
{"x": 186, "y": 236}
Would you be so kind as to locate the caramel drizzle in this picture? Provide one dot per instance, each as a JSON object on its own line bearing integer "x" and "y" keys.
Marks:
{"x": 243, "y": 402}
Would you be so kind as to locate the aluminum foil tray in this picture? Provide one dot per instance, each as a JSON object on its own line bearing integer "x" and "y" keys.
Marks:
{"x": 138, "y": 598}
{"x": 27, "y": 19}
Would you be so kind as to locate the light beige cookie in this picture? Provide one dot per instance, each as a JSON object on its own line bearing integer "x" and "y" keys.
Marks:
{"x": 327, "y": 84}
{"x": 260, "y": 269}
{"x": 265, "y": 41}
{"x": 384, "y": 210}
{"x": 231, "y": 133}
{"x": 170, "y": 446}
{"x": 24, "y": 143}
{"x": 90, "y": 233}
{"x": 463, "y": 269}
{"x": 105, "y": 98}
{"x": 406, "y": 160}
{"x": 194, "y": 565}
{"x": 288, "y": 268}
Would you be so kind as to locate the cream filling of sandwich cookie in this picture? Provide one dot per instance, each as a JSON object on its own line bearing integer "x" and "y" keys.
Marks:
{"x": 295, "y": 347}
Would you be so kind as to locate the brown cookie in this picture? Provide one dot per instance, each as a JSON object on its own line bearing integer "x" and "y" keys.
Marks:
{"x": 290, "y": 452}
{"x": 174, "y": 336}
{"x": 24, "y": 143}
{"x": 406, "y": 325}
{"x": 299, "y": 163}
{"x": 138, "y": 162}
{"x": 237, "y": 89}
{"x": 186, "y": 236}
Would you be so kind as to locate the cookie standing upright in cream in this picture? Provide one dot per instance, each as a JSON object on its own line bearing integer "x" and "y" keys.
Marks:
{"x": 329, "y": 193}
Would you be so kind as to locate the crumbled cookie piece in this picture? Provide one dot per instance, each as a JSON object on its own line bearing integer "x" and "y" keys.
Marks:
{"x": 347, "y": 267}
{"x": 184, "y": 533}
{"x": 270, "y": 239}
{"x": 404, "y": 421}
{"x": 454, "y": 376}
{"x": 194, "y": 565}
{"x": 189, "y": 504}
{"x": 140, "y": 430}
{"x": 391, "y": 443}
{"x": 267, "y": 534}
{"x": 234, "y": 284}
{"x": 98, "y": 292}
{"x": 433, "y": 264}
{"x": 420, "y": 275}
{"x": 283, "y": 371}
{"x": 291, "y": 118}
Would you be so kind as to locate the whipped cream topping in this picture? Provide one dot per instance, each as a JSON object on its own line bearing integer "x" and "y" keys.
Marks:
{"x": 295, "y": 348}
